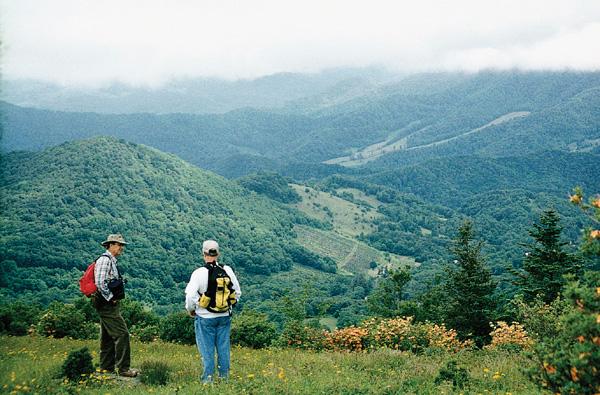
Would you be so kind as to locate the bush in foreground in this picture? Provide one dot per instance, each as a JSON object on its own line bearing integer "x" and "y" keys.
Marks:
{"x": 78, "y": 364}
{"x": 568, "y": 362}
{"x": 253, "y": 329}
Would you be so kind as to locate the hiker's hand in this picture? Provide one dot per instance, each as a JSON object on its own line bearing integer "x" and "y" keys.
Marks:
{"x": 192, "y": 313}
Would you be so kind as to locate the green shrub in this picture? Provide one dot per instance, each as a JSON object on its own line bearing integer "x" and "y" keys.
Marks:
{"x": 178, "y": 328}
{"x": 61, "y": 320}
{"x": 17, "y": 318}
{"x": 567, "y": 361}
{"x": 134, "y": 314}
{"x": 155, "y": 372}
{"x": 83, "y": 304}
{"x": 146, "y": 335}
{"x": 78, "y": 364}
{"x": 253, "y": 329}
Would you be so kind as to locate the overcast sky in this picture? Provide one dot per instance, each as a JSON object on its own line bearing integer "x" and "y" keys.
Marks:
{"x": 148, "y": 42}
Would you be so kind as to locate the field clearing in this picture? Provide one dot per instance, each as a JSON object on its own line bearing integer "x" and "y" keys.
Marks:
{"x": 30, "y": 365}
{"x": 352, "y": 256}
{"x": 346, "y": 217}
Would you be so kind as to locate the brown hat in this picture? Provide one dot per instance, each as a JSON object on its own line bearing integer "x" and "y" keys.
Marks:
{"x": 114, "y": 239}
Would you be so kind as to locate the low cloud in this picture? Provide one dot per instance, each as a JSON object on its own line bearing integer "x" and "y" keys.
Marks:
{"x": 147, "y": 43}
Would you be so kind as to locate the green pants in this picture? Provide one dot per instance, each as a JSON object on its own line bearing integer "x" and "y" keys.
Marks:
{"x": 114, "y": 338}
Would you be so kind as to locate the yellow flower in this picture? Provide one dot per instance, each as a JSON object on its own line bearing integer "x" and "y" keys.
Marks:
{"x": 250, "y": 376}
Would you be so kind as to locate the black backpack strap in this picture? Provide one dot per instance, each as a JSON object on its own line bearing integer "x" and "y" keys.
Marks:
{"x": 108, "y": 256}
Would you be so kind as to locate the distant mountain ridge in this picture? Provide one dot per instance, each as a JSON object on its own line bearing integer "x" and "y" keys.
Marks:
{"x": 421, "y": 118}
{"x": 190, "y": 96}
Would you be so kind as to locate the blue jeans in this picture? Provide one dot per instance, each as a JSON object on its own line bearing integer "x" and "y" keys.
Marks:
{"x": 211, "y": 334}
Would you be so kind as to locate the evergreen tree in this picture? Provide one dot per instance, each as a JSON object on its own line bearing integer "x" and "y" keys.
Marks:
{"x": 547, "y": 262}
{"x": 469, "y": 288}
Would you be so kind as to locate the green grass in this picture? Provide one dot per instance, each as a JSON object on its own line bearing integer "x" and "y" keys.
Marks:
{"x": 30, "y": 365}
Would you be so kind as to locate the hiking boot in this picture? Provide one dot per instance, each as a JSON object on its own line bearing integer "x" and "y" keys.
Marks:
{"x": 128, "y": 373}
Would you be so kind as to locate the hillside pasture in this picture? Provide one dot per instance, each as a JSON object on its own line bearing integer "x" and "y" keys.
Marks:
{"x": 352, "y": 256}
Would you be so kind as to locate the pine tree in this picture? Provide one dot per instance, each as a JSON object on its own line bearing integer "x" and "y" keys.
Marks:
{"x": 469, "y": 287}
{"x": 547, "y": 262}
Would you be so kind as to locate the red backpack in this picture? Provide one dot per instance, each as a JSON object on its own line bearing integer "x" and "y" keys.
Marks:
{"x": 87, "y": 283}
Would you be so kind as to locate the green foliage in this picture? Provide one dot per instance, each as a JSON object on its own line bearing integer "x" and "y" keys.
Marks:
{"x": 567, "y": 360}
{"x": 135, "y": 315}
{"x": 77, "y": 364}
{"x": 458, "y": 375}
{"x": 428, "y": 111}
{"x": 469, "y": 287}
{"x": 253, "y": 329}
{"x": 145, "y": 334}
{"x": 386, "y": 301}
{"x": 271, "y": 184}
{"x": 18, "y": 318}
{"x": 61, "y": 320}
{"x": 591, "y": 245}
{"x": 548, "y": 261}
{"x": 155, "y": 372}
{"x": 178, "y": 328}
{"x": 300, "y": 304}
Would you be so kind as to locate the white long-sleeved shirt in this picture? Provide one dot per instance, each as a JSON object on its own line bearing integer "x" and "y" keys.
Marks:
{"x": 199, "y": 284}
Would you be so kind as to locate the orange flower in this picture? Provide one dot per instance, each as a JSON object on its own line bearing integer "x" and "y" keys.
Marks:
{"x": 574, "y": 374}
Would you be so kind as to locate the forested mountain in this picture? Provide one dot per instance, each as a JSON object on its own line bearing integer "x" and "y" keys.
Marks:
{"x": 451, "y": 180}
{"x": 58, "y": 205}
{"x": 342, "y": 185}
{"x": 416, "y": 119}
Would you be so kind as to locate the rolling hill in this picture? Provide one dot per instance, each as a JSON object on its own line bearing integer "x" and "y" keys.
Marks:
{"x": 60, "y": 203}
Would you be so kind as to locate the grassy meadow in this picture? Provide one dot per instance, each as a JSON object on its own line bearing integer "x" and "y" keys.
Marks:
{"x": 31, "y": 365}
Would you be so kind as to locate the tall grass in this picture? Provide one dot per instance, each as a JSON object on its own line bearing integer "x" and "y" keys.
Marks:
{"x": 31, "y": 365}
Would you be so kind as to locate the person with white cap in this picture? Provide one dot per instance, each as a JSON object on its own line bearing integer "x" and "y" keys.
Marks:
{"x": 115, "y": 350}
{"x": 212, "y": 323}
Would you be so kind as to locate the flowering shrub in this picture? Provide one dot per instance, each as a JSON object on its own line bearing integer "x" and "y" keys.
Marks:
{"x": 509, "y": 337}
{"x": 61, "y": 320}
{"x": 439, "y": 337}
{"x": 351, "y": 338}
{"x": 394, "y": 333}
{"x": 297, "y": 335}
{"x": 568, "y": 363}
{"x": 147, "y": 334}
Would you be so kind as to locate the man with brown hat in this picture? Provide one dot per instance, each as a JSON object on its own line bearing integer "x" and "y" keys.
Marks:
{"x": 115, "y": 350}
